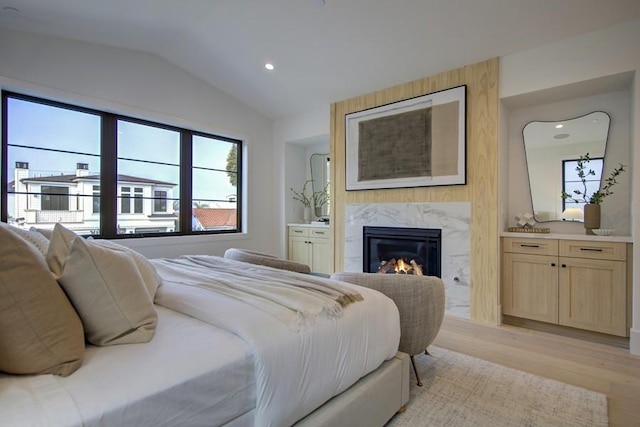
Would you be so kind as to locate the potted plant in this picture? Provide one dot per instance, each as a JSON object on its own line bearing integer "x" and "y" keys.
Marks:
{"x": 304, "y": 199}
{"x": 320, "y": 198}
{"x": 592, "y": 202}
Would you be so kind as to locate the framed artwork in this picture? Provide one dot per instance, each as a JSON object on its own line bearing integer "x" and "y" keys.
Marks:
{"x": 418, "y": 142}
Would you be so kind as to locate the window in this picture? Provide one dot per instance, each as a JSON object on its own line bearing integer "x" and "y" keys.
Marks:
{"x": 115, "y": 174}
{"x": 125, "y": 200}
{"x": 571, "y": 181}
{"x": 137, "y": 200}
{"x": 160, "y": 201}
{"x": 96, "y": 199}
{"x": 54, "y": 198}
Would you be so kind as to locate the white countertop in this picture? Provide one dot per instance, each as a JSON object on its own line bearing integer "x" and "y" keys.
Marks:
{"x": 612, "y": 238}
{"x": 309, "y": 225}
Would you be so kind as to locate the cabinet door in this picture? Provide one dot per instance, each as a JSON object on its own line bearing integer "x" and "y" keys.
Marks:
{"x": 530, "y": 286}
{"x": 321, "y": 255}
{"x": 300, "y": 249}
{"x": 592, "y": 295}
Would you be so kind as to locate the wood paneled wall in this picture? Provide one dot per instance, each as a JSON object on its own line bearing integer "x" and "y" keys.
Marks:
{"x": 481, "y": 189}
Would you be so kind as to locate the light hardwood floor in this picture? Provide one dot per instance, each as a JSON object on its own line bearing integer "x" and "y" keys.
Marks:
{"x": 606, "y": 369}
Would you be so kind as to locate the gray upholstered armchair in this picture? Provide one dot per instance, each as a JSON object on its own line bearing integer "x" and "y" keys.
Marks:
{"x": 420, "y": 301}
{"x": 253, "y": 257}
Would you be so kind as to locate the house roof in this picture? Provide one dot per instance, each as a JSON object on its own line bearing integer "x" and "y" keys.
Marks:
{"x": 74, "y": 178}
{"x": 216, "y": 217}
{"x": 324, "y": 51}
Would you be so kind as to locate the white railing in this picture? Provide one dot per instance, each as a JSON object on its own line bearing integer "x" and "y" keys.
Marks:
{"x": 58, "y": 216}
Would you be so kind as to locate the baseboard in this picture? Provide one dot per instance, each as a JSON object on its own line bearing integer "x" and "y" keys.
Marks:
{"x": 634, "y": 341}
{"x": 581, "y": 334}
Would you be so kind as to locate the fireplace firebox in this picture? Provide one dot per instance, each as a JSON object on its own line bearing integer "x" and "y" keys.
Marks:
{"x": 417, "y": 247}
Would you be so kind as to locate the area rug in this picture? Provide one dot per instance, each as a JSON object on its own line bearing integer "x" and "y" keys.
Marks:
{"x": 460, "y": 390}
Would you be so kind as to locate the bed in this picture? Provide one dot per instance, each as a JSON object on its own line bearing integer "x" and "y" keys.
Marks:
{"x": 215, "y": 356}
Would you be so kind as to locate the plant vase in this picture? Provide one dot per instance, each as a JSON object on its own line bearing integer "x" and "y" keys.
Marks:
{"x": 591, "y": 217}
{"x": 307, "y": 214}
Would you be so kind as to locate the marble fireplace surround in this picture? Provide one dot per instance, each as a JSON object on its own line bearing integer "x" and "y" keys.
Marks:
{"x": 453, "y": 218}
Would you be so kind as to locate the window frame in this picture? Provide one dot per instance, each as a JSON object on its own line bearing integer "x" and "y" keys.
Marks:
{"x": 109, "y": 193}
{"x": 569, "y": 202}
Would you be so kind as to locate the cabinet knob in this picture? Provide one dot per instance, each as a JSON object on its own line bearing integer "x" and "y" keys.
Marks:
{"x": 553, "y": 264}
{"x": 564, "y": 265}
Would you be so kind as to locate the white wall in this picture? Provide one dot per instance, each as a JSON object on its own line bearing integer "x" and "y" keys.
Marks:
{"x": 146, "y": 86}
{"x": 598, "y": 54}
{"x": 616, "y": 209}
{"x": 292, "y": 135}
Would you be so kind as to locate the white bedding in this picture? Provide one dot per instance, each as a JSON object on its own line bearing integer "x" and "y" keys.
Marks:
{"x": 296, "y": 372}
{"x": 190, "y": 374}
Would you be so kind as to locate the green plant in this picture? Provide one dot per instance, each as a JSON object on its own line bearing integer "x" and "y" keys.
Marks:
{"x": 302, "y": 196}
{"x": 321, "y": 197}
{"x": 583, "y": 172}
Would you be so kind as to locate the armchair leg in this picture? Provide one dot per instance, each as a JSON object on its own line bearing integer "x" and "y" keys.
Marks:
{"x": 413, "y": 363}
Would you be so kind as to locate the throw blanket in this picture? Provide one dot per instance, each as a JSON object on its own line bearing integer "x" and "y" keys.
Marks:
{"x": 292, "y": 298}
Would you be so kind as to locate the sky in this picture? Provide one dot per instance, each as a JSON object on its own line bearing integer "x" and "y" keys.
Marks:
{"x": 44, "y": 126}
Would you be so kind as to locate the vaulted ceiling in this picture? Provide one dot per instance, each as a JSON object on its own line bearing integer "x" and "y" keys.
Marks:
{"x": 323, "y": 50}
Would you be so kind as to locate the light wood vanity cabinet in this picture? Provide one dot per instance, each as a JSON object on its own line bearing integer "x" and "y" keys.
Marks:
{"x": 576, "y": 283}
{"x": 311, "y": 246}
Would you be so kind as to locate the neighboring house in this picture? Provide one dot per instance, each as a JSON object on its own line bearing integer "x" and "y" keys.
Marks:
{"x": 216, "y": 218}
{"x": 74, "y": 199}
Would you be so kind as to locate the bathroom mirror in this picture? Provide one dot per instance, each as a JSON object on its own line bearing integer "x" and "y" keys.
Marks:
{"x": 319, "y": 163}
{"x": 551, "y": 148}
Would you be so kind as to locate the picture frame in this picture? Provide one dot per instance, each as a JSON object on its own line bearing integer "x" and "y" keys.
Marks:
{"x": 417, "y": 142}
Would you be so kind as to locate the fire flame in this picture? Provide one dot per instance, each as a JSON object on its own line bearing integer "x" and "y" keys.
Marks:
{"x": 400, "y": 267}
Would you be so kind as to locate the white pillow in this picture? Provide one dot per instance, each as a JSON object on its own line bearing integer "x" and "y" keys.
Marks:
{"x": 150, "y": 275}
{"x": 107, "y": 290}
{"x": 36, "y": 239}
{"x": 59, "y": 248}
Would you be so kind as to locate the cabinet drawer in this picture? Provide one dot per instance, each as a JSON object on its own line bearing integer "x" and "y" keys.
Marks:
{"x": 615, "y": 251}
{"x": 530, "y": 246}
{"x": 299, "y": 231}
{"x": 320, "y": 233}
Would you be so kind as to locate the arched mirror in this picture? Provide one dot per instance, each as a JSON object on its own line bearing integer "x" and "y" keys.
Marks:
{"x": 319, "y": 163}
{"x": 552, "y": 150}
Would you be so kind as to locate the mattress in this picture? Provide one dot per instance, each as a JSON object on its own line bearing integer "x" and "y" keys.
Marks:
{"x": 296, "y": 370}
{"x": 191, "y": 373}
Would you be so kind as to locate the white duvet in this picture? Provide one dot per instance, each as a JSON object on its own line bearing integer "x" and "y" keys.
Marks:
{"x": 296, "y": 372}
{"x": 189, "y": 374}
{"x": 249, "y": 368}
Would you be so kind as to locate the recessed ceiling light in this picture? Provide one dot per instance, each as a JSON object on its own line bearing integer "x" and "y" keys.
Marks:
{"x": 559, "y": 126}
{"x": 269, "y": 66}
{"x": 562, "y": 136}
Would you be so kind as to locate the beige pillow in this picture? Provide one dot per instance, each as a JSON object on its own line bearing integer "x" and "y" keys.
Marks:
{"x": 46, "y": 232}
{"x": 148, "y": 271}
{"x": 36, "y": 239}
{"x": 40, "y": 333}
{"x": 107, "y": 290}
{"x": 59, "y": 248}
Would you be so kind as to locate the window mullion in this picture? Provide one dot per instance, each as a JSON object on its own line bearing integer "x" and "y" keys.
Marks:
{"x": 4, "y": 212}
{"x": 186, "y": 163}
{"x": 109, "y": 176}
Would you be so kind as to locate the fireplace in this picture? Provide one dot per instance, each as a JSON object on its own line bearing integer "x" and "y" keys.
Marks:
{"x": 417, "y": 248}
